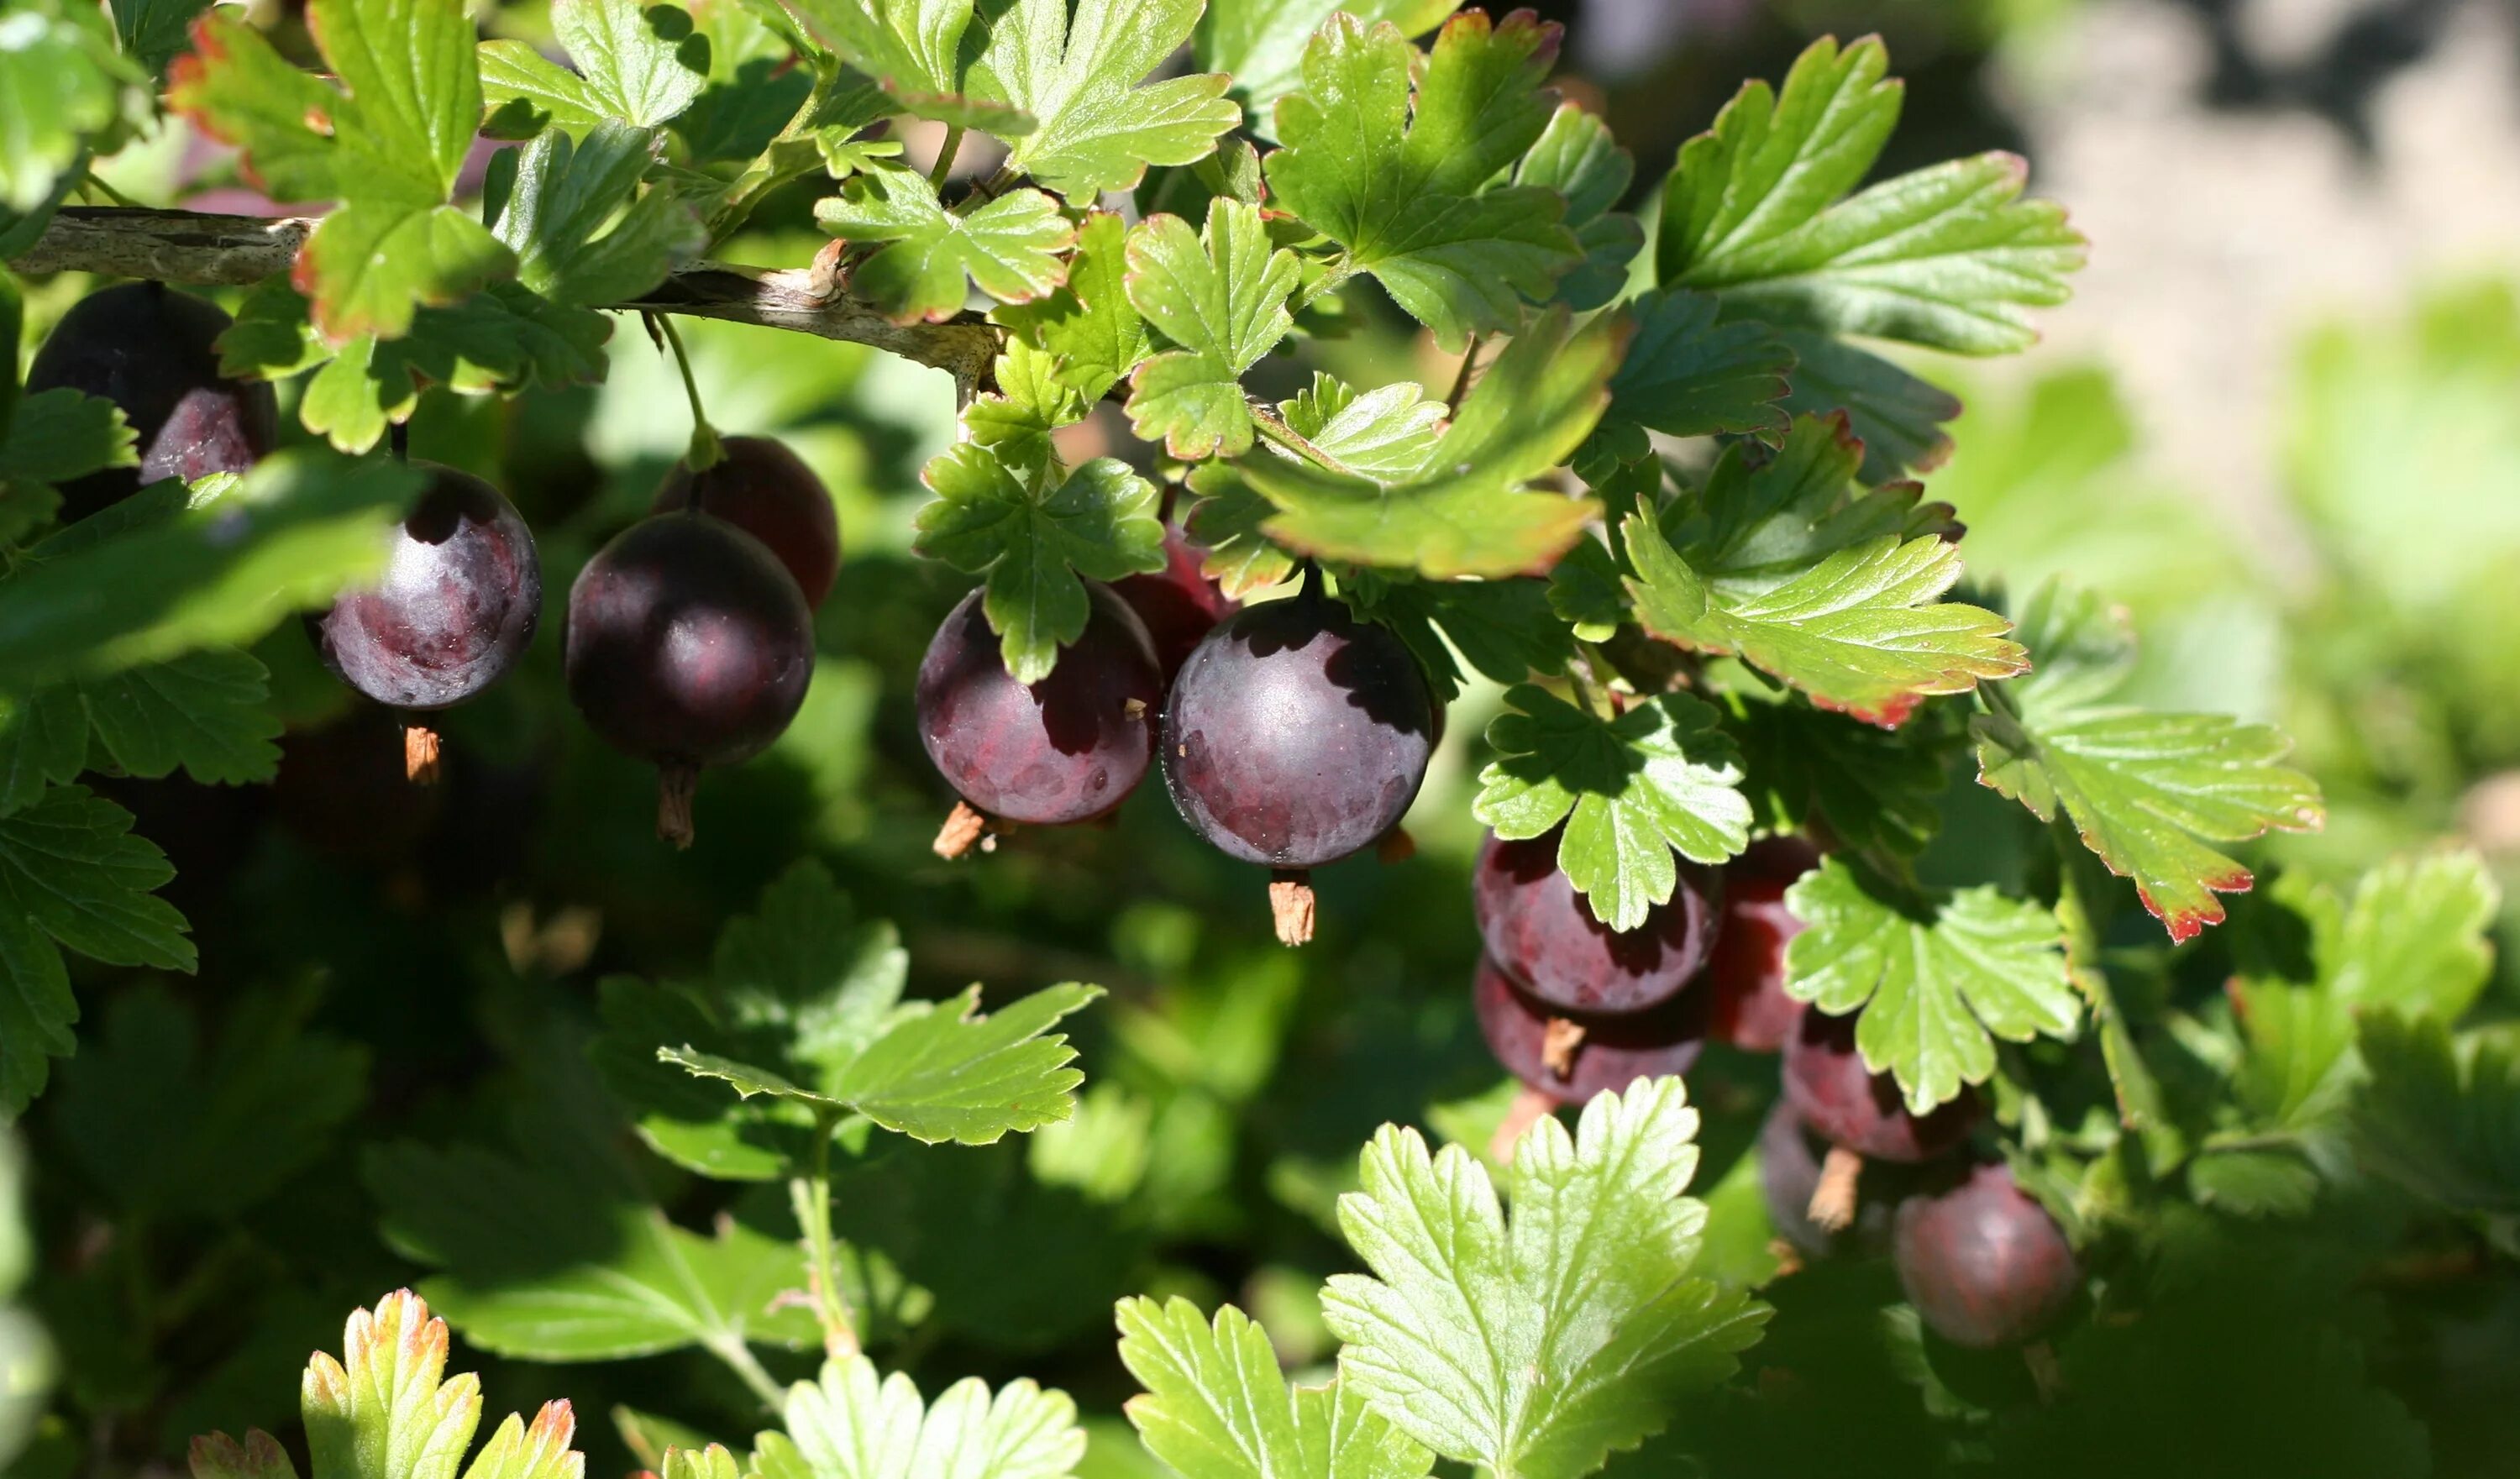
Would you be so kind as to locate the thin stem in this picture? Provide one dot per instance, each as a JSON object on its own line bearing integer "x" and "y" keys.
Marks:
{"x": 740, "y": 1359}
{"x": 1590, "y": 671}
{"x": 1273, "y": 426}
{"x": 706, "y": 452}
{"x": 946, "y": 153}
{"x": 813, "y": 1194}
{"x": 1462, "y": 381}
{"x": 1331, "y": 282}
{"x": 97, "y": 183}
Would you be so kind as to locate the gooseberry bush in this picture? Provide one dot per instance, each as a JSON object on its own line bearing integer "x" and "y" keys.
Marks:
{"x": 1846, "y": 1058}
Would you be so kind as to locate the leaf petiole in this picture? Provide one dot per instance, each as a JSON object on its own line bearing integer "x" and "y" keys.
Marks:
{"x": 946, "y": 153}
{"x": 813, "y": 1194}
{"x": 1273, "y": 426}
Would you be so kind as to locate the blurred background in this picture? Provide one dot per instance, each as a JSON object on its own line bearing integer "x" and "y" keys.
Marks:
{"x": 2279, "y": 421}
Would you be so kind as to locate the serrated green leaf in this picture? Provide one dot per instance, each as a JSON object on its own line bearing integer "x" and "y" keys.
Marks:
{"x": 1947, "y": 256}
{"x": 60, "y": 434}
{"x": 71, "y": 877}
{"x": 1897, "y": 417}
{"x": 1217, "y": 1407}
{"x": 1464, "y": 512}
{"x": 2146, "y": 791}
{"x": 2415, "y": 939}
{"x": 581, "y": 232}
{"x": 1538, "y": 1347}
{"x": 60, "y": 83}
{"x": 641, "y": 65}
{"x": 1407, "y": 191}
{"x": 416, "y": 87}
{"x": 1033, "y": 399}
{"x": 2300, "y": 1069}
{"x": 944, "y": 1072}
{"x": 43, "y": 741}
{"x": 1870, "y": 789}
{"x": 2442, "y": 1115}
{"x": 1632, "y": 790}
{"x": 1009, "y": 247}
{"x": 752, "y": 92}
{"x": 298, "y": 528}
{"x": 1221, "y": 296}
{"x": 517, "y": 77}
{"x": 236, "y": 86}
{"x": 168, "y": 1126}
{"x": 1089, "y": 324}
{"x": 1503, "y": 628}
{"x": 1227, "y": 522}
{"x": 207, "y": 712}
{"x": 1260, "y": 43}
{"x": 1937, "y": 976}
{"x": 1081, "y": 78}
{"x": 547, "y": 1260}
{"x": 1577, "y": 157}
{"x": 852, "y": 1424}
{"x": 153, "y": 32}
{"x": 1685, "y": 375}
{"x": 1386, "y": 433}
{"x": 913, "y": 49}
{"x": 1033, "y": 541}
{"x": 373, "y": 263}
{"x": 2253, "y": 1182}
{"x": 502, "y": 339}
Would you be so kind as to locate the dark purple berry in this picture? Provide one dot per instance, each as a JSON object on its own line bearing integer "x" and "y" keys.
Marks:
{"x": 1983, "y": 1263}
{"x": 1179, "y": 605}
{"x": 1067, "y": 748}
{"x": 153, "y": 354}
{"x": 1849, "y": 1105}
{"x": 1573, "y": 1058}
{"x": 1294, "y": 735}
{"x": 768, "y": 492}
{"x": 1789, "y": 1172}
{"x": 687, "y": 646}
{"x": 1747, "y": 972}
{"x": 1544, "y": 934}
{"x": 456, "y": 607}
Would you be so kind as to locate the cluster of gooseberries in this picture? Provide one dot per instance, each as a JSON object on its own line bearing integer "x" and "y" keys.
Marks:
{"x": 1571, "y": 1007}
{"x": 1291, "y": 734}
{"x": 689, "y": 640}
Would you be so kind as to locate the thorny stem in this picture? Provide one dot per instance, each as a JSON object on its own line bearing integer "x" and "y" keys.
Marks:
{"x": 706, "y": 450}
{"x": 813, "y": 1194}
{"x": 1273, "y": 426}
{"x": 946, "y": 153}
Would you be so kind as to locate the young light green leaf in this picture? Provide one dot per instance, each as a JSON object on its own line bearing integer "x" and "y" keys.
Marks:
{"x": 914, "y": 50}
{"x": 1937, "y": 977}
{"x": 1033, "y": 540}
{"x": 71, "y": 877}
{"x": 549, "y": 1261}
{"x": 1947, "y": 256}
{"x": 941, "y": 1071}
{"x": 1033, "y": 400}
{"x": 529, "y": 93}
{"x": 1659, "y": 778}
{"x": 1685, "y": 375}
{"x": 1464, "y": 510}
{"x": 1897, "y": 417}
{"x": 2146, "y": 791}
{"x": 1538, "y": 1347}
{"x": 415, "y": 88}
{"x": 1260, "y": 43}
{"x": 852, "y": 1424}
{"x": 1221, "y": 296}
{"x": 581, "y": 231}
{"x": 60, "y": 434}
{"x": 1081, "y": 78}
{"x": 1577, "y": 157}
{"x": 298, "y": 528}
{"x": 1217, "y": 1407}
{"x": 1778, "y": 560}
{"x": 2442, "y": 1115}
{"x": 1407, "y": 192}
{"x": 1009, "y": 247}
{"x": 1386, "y": 433}
{"x": 1089, "y": 323}
{"x": 640, "y": 64}
{"x": 2415, "y": 939}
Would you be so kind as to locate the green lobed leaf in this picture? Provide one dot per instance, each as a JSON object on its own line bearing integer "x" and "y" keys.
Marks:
{"x": 1221, "y": 296}
{"x": 1386, "y": 433}
{"x": 1631, "y": 791}
{"x": 2146, "y": 791}
{"x": 1539, "y": 1346}
{"x": 914, "y": 50}
{"x": 1404, "y": 183}
{"x": 1261, "y": 43}
{"x": 295, "y": 530}
{"x": 1464, "y": 510}
{"x": 1033, "y": 539}
{"x": 529, "y": 93}
{"x": 2442, "y": 1114}
{"x": 1576, "y": 157}
{"x": 58, "y": 434}
{"x": 72, "y": 876}
{"x": 370, "y": 264}
{"x": 1685, "y": 375}
{"x": 1897, "y": 417}
{"x": 853, "y": 1424}
{"x": 1947, "y": 256}
{"x": 1228, "y": 522}
{"x": 2415, "y": 939}
{"x": 1217, "y": 1407}
{"x": 1938, "y": 976}
{"x": 1015, "y": 422}
{"x": 1089, "y": 324}
{"x": 1080, "y": 77}
{"x": 2299, "y": 1071}
{"x": 640, "y": 64}
{"x": 206, "y": 712}
{"x": 1010, "y": 246}
{"x": 581, "y": 231}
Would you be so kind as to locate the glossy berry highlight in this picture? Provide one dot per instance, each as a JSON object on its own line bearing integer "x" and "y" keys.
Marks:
{"x": 1983, "y": 1263}
{"x": 1573, "y": 1058}
{"x": 1747, "y": 970}
{"x": 761, "y": 487}
{"x": 154, "y": 352}
{"x": 1067, "y": 748}
{"x": 1544, "y": 933}
{"x": 687, "y": 646}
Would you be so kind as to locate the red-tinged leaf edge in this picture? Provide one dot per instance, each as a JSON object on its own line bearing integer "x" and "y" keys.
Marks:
{"x": 1548, "y": 36}
{"x": 189, "y": 72}
{"x": 1896, "y": 710}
